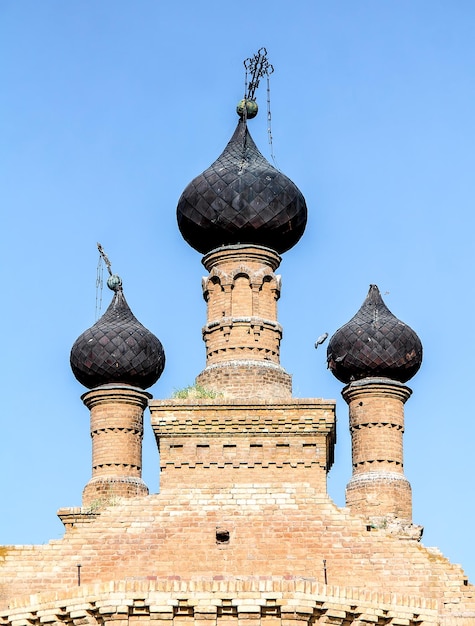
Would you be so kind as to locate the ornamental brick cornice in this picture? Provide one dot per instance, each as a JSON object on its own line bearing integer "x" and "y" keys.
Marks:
{"x": 221, "y": 416}
{"x": 239, "y": 254}
{"x": 116, "y": 394}
{"x": 302, "y": 601}
{"x": 376, "y": 387}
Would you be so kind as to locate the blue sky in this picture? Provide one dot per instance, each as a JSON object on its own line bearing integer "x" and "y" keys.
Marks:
{"x": 108, "y": 109}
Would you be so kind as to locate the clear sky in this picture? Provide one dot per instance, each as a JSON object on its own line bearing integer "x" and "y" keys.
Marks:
{"x": 108, "y": 109}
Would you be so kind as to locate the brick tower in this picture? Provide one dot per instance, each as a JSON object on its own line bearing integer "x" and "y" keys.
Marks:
{"x": 242, "y": 334}
{"x": 242, "y": 214}
{"x": 116, "y": 359}
{"x": 375, "y": 353}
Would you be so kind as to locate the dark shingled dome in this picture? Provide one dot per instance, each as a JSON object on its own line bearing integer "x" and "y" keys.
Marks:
{"x": 374, "y": 343}
{"x": 241, "y": 199}
{"x": 117, "y": 349}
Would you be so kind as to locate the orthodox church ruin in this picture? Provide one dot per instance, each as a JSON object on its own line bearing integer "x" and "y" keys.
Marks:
{"x": 243, "y": 532}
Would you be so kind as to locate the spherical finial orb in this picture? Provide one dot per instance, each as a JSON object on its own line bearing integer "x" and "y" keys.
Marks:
{"x": 250, "y": 106}
{"x": 114, "y": 282}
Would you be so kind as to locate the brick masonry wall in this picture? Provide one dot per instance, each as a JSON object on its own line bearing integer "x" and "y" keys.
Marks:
{"x": 237, "y": 521}
{"x": 248, "y": 530}
{"x": 223, "y": 442}
{"x": 242, "y": 497}
{"x": 243, "y": 379}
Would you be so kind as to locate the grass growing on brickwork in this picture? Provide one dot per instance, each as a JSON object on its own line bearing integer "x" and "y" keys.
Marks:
{"x": 195, "y": 391}
{"x": 106, "y": 500}
{"x": 101, "y": 503}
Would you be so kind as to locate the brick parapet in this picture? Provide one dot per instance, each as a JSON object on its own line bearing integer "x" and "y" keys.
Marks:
{"x": 191, "y": 416}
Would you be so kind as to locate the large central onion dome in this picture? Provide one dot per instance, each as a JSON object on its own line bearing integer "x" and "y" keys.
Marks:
{"x": 241, "y": 199}
{"x": 374, "y": 343}
{"x": 117, "y": 349}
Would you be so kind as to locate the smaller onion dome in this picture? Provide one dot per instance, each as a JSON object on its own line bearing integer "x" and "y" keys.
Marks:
{"x": 241, "y": 199}
{"x": 117, "y": 348}
{"x": 374, "y": 343}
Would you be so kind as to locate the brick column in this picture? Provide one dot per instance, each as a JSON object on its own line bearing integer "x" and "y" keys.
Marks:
{"x": 242, "y": 334}
{"x": 378, "y": 487}
{"x": 116, "y": 432}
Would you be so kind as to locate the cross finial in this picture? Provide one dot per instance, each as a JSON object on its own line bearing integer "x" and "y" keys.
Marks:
{"x": 114, "y": 281}
{"x": 105, "y": 258}
{"x": 257, "y": 66}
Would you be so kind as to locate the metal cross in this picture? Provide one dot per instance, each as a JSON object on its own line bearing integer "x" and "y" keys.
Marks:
{"x": 257, "y": 66}
{"x": 104, "y": 258}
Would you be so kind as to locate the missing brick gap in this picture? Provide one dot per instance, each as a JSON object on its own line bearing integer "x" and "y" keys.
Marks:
{"x": 222, "y": 535}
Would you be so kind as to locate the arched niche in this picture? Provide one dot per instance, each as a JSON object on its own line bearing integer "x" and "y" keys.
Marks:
{"x": 241, "y": 296}
{"x": 270, "y": 292}
{"x": 215, "y": 297}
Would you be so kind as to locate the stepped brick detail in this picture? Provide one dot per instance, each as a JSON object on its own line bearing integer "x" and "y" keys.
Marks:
{"x": 219, "y": 442}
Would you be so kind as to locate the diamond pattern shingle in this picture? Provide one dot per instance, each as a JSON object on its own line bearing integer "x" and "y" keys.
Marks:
{"x": 117, "y": 349}
{"x": 241, "y": 198}
{"x": 374, "y": 343}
